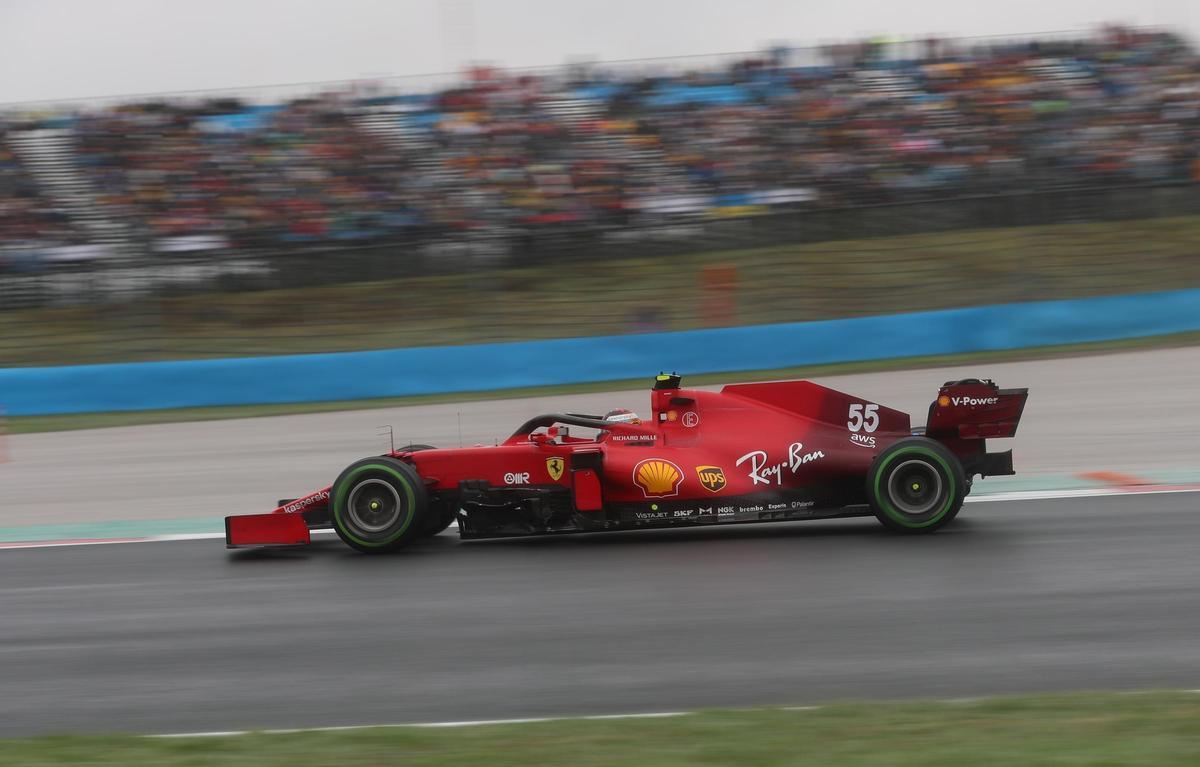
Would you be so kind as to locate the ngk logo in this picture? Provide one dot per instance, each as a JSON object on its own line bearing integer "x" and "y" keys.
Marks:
{"x": 956, "y": 401}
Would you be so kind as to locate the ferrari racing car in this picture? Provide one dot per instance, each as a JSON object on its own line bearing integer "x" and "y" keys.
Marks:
{"x": 751, "y": 452}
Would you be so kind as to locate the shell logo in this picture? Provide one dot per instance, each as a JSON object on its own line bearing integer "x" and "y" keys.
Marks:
{"x": 657, "y": 478}
{"x": 943, "y": 400}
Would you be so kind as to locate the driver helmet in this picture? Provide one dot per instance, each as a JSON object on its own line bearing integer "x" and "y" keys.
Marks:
{"x": 621, "y": 415}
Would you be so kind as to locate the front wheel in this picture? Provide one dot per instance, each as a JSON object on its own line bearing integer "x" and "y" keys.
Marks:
{"x": 916, "y": 486}
{"x": 378, "y": 505}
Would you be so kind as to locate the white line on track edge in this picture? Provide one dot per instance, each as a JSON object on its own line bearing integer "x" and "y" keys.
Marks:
{"x": 1087, "y": 492}
{"x": 527, "y": 720}
{"x": 1016, "y": 495}
{"x": 432, "y": 725}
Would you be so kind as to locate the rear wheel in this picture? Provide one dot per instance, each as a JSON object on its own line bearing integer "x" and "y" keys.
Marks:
{"x": 916, "y": 486}
{"x": 378, "y": 505}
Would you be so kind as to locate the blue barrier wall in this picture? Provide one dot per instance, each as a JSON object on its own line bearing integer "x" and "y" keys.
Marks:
{"x": 402, "y": 372}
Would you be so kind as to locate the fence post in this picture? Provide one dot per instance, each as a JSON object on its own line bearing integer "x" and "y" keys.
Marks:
{"x": 718, "y": 303}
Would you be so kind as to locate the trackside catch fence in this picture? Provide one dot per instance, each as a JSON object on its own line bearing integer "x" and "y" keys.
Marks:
{"x": 805, "y": 263}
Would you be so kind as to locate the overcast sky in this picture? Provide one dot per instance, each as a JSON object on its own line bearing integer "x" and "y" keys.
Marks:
{"x": 57, "y": 49}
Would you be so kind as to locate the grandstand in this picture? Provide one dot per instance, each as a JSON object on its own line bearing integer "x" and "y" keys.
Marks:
{"x": 506, "y": 155}
{"x": 127, "y": 225}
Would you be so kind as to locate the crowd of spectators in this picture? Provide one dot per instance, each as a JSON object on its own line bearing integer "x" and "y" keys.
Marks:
{"x": 869, "y": 124}
{"x": 300, "y": 172}
{"x": 27, "y": 215}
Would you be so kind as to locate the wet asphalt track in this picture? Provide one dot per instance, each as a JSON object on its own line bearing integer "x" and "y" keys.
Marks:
{"x": 1017, "y": 596}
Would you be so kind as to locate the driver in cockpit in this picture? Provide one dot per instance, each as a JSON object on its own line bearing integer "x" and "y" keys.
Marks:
{"x": 619, "y": 415}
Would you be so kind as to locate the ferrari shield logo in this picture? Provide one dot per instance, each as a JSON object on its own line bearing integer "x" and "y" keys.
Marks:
{"x": 554, "y": 467}
{"x": 712, "y": 477}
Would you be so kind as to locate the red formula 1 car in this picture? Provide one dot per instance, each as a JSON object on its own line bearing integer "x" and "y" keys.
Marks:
{"x": 755, "y": 452}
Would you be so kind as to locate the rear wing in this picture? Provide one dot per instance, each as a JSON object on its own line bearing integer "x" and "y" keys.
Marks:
{"x": 975, "y": 409}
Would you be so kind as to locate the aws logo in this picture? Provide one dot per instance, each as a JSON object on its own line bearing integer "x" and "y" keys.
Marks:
{"x": 657, "y": 478}
{"x": 712, "y": 477}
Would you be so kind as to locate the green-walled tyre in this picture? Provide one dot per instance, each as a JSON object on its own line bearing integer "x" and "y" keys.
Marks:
{"x": 916, "y": 486}
{"x": 378, "y": 505}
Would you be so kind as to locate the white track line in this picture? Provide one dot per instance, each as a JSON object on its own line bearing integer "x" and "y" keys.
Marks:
{"x": 429, "y": 725}
{"x": 1087, "y": 492}
{"x": 530, "y": 720}
{"x": 61, "y": 544}
{"x": 1017, "y": 495}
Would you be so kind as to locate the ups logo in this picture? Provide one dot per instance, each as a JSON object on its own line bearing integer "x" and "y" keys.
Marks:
{"x": 712, "y": 477}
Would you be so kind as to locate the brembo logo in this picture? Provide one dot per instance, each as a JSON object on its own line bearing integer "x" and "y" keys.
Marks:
{"x": 304, "y": 503}
{"x": 956, "y": 401}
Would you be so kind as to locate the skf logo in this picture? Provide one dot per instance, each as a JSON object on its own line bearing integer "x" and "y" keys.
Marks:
{"x": 554, "y": 467}
{"x": 712, "y": 477}
{"x": 657, "y": 478}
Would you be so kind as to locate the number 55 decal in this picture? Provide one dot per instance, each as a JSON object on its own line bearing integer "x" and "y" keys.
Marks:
{"x": 863, "y": 418}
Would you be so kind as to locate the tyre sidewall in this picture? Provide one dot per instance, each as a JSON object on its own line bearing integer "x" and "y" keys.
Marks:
{"x": 414, "y": 504}
{"x": 937, "y": 457}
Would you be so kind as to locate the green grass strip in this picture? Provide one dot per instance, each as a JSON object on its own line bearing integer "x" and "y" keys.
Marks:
{"x": 570, "y": 298}
{"x": 1161, "y": 729}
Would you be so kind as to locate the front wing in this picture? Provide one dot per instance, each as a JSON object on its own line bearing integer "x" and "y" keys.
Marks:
{"x": 287, "y": 525}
